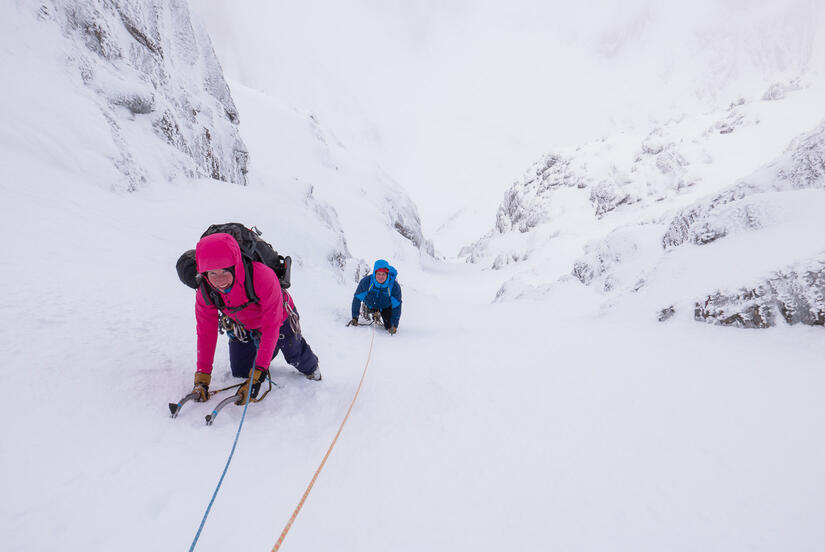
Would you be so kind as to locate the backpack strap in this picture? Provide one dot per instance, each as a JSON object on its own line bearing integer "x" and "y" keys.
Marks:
{"x": 209, "y": 295}
{"x": 249, "y": 285}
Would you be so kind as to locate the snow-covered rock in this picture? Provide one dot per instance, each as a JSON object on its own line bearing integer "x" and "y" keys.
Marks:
{"x": 746, "y": 204}
{"x": 613, "y": 213}
{"x": 778, "y": 90}
{"x": 795, "y": 295}
{"x": 767, "y": 219}
{"x": 624, "y": 173}
{"x": 620, "y": 260}
{"x": 152, "y": 68}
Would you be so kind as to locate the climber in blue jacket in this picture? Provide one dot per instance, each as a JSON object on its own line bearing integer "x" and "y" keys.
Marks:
{"x": 381, "y": 293}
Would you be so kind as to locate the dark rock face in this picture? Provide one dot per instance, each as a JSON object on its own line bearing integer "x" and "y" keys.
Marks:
{"x": 584, "y": 272}
{"x": 666, "y": 313}
{"x": 795, "y": 295}
{"x": 406, "y": 222}
{"x": 146, "y": 61}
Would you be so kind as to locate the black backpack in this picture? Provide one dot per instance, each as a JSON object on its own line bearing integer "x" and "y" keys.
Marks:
{"x": 253, "y": 249}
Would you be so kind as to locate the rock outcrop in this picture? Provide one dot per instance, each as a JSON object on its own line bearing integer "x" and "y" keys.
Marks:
{"x": 151, "y": 66}
{"x": 746, "y": 204}
{"x": 795, "y": 295}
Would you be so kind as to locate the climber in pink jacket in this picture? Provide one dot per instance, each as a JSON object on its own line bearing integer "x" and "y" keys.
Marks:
{"x": 257, "y": 330}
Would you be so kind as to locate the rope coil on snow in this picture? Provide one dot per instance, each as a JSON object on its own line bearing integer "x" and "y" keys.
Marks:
{"x": 324, "y": 461}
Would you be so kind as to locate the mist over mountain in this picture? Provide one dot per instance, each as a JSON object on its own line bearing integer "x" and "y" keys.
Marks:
{"x": 425, "y": 87}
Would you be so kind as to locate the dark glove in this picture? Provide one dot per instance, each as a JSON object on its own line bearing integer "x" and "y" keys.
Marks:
{"x": 202, "y": 382}
{"x": 257, "y": 379}
{"x": 353, "y": 322}
{"x": 392, "y": 330}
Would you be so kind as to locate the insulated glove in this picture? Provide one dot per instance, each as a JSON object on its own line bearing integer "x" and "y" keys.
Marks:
{"x": 392, "y": 330}
{"x": 257, "y": 379}
{"x": 202, "y": 382}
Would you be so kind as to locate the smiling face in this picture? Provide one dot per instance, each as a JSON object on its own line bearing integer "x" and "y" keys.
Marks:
{"x": 381, "y": 276}
{"x": 221, "y": 279}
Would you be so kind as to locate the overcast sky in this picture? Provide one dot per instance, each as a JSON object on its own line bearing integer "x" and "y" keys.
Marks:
{"x": 456, "y": 98}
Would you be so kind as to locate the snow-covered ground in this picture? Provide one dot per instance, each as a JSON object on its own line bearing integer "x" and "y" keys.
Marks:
{"x": 524, "y": 425}
{"x": 539, "y": 423}
{"x": 480, "y": 426}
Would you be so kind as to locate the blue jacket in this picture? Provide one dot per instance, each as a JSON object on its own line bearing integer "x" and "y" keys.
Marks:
{"x": 379, "y": 296}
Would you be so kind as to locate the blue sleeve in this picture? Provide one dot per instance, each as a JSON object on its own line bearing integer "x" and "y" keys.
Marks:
{"x": 395, "y": 297}
{"x": 363, "y": 285}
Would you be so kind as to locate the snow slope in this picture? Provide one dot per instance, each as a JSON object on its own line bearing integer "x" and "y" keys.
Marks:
{"x": 563, "y": 432}
{"x": 522, "y": 425}
{"x": 615, "y": 213}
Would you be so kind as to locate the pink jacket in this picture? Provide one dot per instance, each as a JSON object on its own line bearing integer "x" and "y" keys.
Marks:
{"x": 218, "y": 251}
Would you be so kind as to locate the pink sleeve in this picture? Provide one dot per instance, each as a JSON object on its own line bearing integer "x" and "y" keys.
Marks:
{"x": 206, "y": 316}
{"x": 272, "y": 312}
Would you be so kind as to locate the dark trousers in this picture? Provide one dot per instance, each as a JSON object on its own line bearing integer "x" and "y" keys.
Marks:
{"x": 386, "y": 317}
{"x": 294, "y": 347}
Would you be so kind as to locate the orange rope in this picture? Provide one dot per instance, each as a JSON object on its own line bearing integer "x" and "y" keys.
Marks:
{"x": 324, "y": 461}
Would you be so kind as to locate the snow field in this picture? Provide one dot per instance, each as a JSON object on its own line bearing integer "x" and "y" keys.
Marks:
{"x": 533, "y": 424}
{"x": 479, "y": 425}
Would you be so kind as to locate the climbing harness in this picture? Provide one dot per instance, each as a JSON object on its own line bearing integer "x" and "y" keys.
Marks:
{"x": 238, "y": 331}
{"x": 235, "y": 330}
{"x": 326, "y": 456}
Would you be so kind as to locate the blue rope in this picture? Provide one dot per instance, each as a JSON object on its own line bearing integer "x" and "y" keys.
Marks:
{"x": 228, "y": 460}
